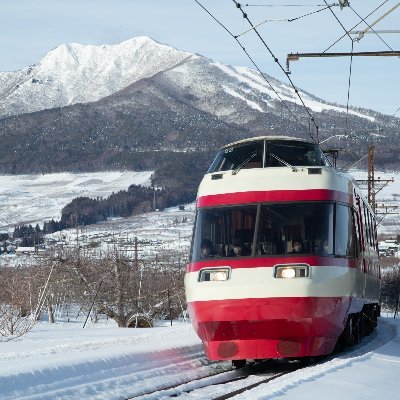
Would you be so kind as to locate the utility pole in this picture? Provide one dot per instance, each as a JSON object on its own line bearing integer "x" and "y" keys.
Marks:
{"x": 371, "y": 177}
{"x": 372, "y": 192}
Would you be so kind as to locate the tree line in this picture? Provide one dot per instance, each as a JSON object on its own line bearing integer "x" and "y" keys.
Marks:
{"x": 87, "y": 211}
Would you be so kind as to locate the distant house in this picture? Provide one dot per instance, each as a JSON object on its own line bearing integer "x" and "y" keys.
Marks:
{"x": 19, "y": 251}
{"x": 27, "y": 251}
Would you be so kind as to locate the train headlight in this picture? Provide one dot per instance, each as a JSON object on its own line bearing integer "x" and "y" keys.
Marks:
{"x": 215, "y": 274}
{"x": 291, "y": 271}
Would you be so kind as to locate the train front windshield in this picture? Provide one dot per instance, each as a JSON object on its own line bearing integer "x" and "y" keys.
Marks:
{"x": 275, "y": 229}
{"x": 265, "y": 154}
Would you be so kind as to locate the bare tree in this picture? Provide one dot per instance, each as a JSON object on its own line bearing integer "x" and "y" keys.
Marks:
{"x": 390, "y": 288}
{"x": 130, "y": 291}
{"x": 15, "y": 316}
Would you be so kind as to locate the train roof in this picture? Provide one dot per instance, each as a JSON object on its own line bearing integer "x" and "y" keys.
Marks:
{"x": 269, "y": 138}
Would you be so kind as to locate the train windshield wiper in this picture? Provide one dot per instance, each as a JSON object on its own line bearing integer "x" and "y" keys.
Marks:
{"x": 283, "y": 162}
{"x": 243, "y": 163}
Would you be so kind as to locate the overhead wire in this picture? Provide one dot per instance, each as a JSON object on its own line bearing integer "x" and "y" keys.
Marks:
{"x": 338, "y": 20}
{"x": 245, "y": 16}
{"x": 288, "y": 5}
{"x": 373, "y": 30}
{"x": 347, "y": 33}
{"x": 348, "y": 87}
{"x": 256, "y": 66}
{"x": 350, "y": 69}
{"x": 355, "y": 26}
{"x": 377, "y": 34}
{"x": 396, "y": 112}
{"x": 281, "y": 20}
{"x": 308, "y": 14}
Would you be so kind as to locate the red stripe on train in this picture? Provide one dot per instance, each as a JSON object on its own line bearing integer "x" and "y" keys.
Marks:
{"x": 272, "y": 196}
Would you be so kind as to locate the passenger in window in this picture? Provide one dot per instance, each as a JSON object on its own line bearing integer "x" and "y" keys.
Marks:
{"x": 325, "y": 247}
{"x": 238, "y": 249}
{"x": 207, "y": 250}
{"x": 297, "y": 247}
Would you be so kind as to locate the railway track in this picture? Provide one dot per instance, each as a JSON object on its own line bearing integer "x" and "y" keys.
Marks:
{"x": 250, "y": 377}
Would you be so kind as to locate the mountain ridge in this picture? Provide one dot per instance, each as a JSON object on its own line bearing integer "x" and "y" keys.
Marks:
{"x": 73, "y": 73}
{"x": 173, "y": 102}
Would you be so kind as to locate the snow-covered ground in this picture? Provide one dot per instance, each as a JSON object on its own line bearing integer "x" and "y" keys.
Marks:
{"x": 101, "y": 361}
{"x": 156, "y": 232}
{"x": 31, "y": 199}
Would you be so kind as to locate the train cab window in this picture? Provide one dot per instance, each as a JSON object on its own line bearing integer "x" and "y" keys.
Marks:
{"x": 246, "y": 155}
{"x": 224, "y": 232}
{"x": 281, "y": 153}
{"x": 268, "y": 153}
{"x": 313, "y": 228}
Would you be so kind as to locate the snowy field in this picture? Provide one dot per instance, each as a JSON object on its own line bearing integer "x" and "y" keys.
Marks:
{"x": 158, "y": 232}
{"x": 31, "y": 199}
{"x": 65, "y": 361}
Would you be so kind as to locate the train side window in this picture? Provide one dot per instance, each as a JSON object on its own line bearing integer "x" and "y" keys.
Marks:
{"x": 344, "y": 232}
{"x": 357, "y": 233}
{"x": 371, "y": 229}
{"x": 375, "y": 235}
{"x": 365, "y": 225}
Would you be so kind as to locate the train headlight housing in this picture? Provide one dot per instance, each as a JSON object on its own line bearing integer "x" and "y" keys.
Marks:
{"x": 291, "y": 271}
{"x": 215, "y": 274}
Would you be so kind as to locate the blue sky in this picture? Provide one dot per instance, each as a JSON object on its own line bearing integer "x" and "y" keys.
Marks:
{"x": 29, "y": 29}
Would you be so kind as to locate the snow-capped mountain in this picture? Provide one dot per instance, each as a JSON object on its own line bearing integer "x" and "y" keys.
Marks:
{"x": 74, "y": 73}
{"x": 97, "y": 107}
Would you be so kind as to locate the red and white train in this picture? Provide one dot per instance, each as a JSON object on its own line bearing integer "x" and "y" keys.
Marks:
{"x": 284, "y": 257}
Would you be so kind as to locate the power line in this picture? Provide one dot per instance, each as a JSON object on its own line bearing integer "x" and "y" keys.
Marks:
{"x": 355, "y": 26}
{"x": 349, "y": 85}
{"x": 373, "y": 30}
{"x": 288, "y": 5}
{"x": 338, "y": 20}
{"x": 256, "y": 66}
{"x": 245, "y": 16}
{"x": 351, "y": 65}
{"x": 280, "y": 20}
{"x": 308, "y": 14}
{"x": 375, "y": 22}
